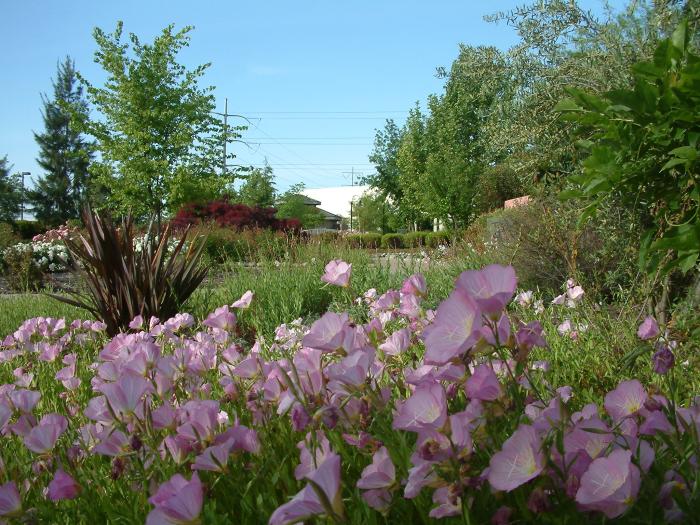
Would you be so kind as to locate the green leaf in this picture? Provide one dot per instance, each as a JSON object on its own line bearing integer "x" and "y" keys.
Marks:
{"x": 567, "y": 104}
{"x": 685, "y": 152}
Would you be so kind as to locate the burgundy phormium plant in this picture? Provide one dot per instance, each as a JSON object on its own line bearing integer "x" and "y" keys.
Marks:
{"x": 414, "y": 413}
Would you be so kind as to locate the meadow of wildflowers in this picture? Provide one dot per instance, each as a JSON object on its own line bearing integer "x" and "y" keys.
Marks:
{"x": 390, "y": 412}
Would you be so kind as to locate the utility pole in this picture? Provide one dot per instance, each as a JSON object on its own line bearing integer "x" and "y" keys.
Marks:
{"x": 352, "y": 183}
{"x": 226, "y": 115}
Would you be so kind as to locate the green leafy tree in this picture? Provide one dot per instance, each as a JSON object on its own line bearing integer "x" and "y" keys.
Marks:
{"x": 64, "y": 153}
{"x": 642, "y": 152}
{"x": 258, "y": 188}
{"x": 160, "y": 143}
{"x": 10, "y": 192}
{"x": 293, "y": 205}
{"x": 374, "y": 213}
{"x": 383, "y": 156}
{"x": 411, "y": 159}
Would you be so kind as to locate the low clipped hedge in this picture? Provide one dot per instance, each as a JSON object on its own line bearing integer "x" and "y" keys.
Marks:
{"x": 435, "y": 239}
{"x": 392, "y": 240}
{"x": 415, "y": 239}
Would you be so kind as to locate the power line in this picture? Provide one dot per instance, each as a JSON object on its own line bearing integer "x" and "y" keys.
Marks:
{"x": 323, "y": 112}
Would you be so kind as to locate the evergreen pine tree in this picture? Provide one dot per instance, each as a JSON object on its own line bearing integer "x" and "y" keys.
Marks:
{"x": 64, "y": 153}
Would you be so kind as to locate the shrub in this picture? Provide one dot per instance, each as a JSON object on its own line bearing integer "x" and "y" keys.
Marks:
{"x": 7, "y": 236}
{"x": 546, "y": 245}
{"x": 24, "y": 274}
{"x": 238, "y": 216}
{"x": 123, "y": 283}
{"x": 28, "y": 229}
{"x": 371, "y": 240}
{"x": 415, "y": 239}
{"x": 392, "y": 240}
{"x": 441, "y": 238}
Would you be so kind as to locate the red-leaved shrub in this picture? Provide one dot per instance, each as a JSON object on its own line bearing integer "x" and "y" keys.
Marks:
{"x": 238, "y": 216}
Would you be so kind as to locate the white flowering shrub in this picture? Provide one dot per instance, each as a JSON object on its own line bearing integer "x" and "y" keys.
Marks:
{"x": 46, "y": 256}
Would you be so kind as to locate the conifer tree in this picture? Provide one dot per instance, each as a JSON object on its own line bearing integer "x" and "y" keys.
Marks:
{"x": 64, "y": 153}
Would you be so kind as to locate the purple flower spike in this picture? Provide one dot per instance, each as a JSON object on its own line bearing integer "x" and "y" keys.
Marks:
{"x": 177, "y": 501}
{"x": 379, "y": 474}
{"x": 625, "y": 400}
{"x": 337, "y": 273}
{"x": 10, "y": 502}
{"x": 63, "y": 486}
{"x": 491, "y": 287}
{"x": 456, "y": 328}
{"x": 426, "y": 409}
{"x": 649, "y": 329}
{"x": 519, "y": 461}
{"x": 483, "y": 384}
{"x": 610, "y": 484}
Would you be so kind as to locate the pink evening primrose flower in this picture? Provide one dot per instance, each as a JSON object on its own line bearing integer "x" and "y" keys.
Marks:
{"x": 483, "y": 384}
{"x": 244, "y": 301}
{"x": 10, "y": 502}
{"x": 649, "y": 329}
{"x": 610, "y": 484}
{"x": 177, "y": 502}
{"x": 63, "y": 486}
{"x": 42, "y": 438}
{"x": 519, "y": 461}
{"x": 456, "y": 328}
{"x": 627, "y": 399}
{"x": 307, "y": 503}
{"x": 380, "y": 474}
{"x": 337, "y": 273}
{"x": 491, "y": 287}
{"x": 426, "y": 409}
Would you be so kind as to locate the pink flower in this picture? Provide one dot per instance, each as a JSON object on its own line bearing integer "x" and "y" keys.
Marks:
{"x": 337, "y": 273}
{"x": 213, "y": 458}
{"x": 519, "y": 461}
{"x": 42, "y": 438}
{"x": 491, "y": 287}
{"x": 456, "y": 328}
{"x": 396, "y": 342}
{"x": 415, "y": 285}
{"x": 649, "y": 329}
{"x": 10, "y": 502}
{"x": 307, "y": 503}
{"x": 425, "y": 409}
{"x": 63, "y": 486}
{"x": 627, "y": 399}
{"x": 483, "y": 384}
{"x": 330, "y": 333}
{"x": 125, "y": 395}
{"x": 177, "y": 502}
{"x": 663, "y": 359}
{"x": 24, "y": 400}
{"x": 610, "y": 484}
{"x": 380, "y": 474}
{"x": 221, "y": 318}
{"x": 244, "y": 301}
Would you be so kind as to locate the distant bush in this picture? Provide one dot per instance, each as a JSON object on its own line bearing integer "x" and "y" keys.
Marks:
{"x": 441, "y": 238}
{"x": 229, "y": 245}
{"x": 23, "y": 272}
{"x": 415, "y": 239}
{"x": 392, "y": 240}
{"x": 8, "y": 237}
{"x": 28, "y": 229}
{"x": 238, "y": 216}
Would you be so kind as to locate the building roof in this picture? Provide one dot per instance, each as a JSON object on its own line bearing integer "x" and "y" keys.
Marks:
{"x": 336, "y": 200}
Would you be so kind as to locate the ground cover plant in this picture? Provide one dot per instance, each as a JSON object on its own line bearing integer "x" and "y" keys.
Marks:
{"x": 388, "y": 411}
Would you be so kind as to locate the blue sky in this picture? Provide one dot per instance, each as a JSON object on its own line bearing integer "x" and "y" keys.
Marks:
{"x": 316, "y": 78}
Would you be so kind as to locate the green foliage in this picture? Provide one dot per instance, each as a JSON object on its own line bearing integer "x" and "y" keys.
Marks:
{"x": 28, "y": 229}
{"x": 22, "y": 272}
{"x": 226, "y": 245}
{"x": 497, "y": 184}
{"x": 8, "y": 237}
{"x": 258, "y": 188}
{"x": 373, "y": 213}
{"x": 440, "y": 238}
{"x": 64, "y": 154}
{"x": 392, "y": 240}
{"x": 10, "y": 192}
{"x": 364, "y": 240}
{"x": 159, "y": 142}
{"x": 642, "y": 146}
{"x": 546, "y": 245}
{"x": 293, "y": 205}
{"x": 415, "y": 239}
{"x": 384, "y": 156}
{"x": 123, "y": 282}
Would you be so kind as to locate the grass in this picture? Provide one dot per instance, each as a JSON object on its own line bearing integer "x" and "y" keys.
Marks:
{"x": 16, "y": 308}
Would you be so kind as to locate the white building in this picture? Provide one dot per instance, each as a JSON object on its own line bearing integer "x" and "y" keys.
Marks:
{"x": 337, "y": 199}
